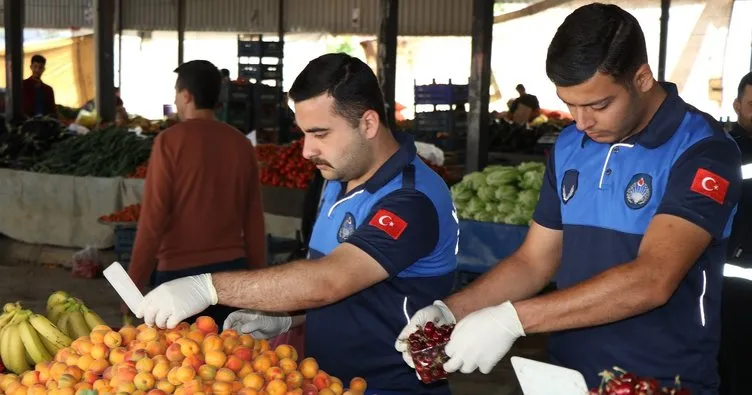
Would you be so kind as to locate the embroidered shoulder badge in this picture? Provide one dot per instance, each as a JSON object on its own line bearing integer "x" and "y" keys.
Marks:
{"x": 346, "y": 229}
{"x": 639, "y": 190}
{"x": 569, "y": 185}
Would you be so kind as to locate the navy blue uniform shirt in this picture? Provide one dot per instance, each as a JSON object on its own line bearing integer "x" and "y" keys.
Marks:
{"x": 403, "y": 217}
{"x": 603, "y": 196}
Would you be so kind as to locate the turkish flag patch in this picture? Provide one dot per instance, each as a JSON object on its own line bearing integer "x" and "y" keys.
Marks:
{"x": 711, "y": 185}
{"x": 389, "y": 222}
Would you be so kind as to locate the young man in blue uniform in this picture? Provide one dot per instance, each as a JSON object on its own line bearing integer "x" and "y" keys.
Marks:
{"x": 634, "y": 215}
{"x": 384, "y": 244}
{"x": 736, "y": 321}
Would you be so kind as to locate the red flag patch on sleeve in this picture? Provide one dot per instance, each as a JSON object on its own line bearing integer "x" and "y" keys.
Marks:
{"x": 389, "y": 222}
{"x": 711, "y": 185}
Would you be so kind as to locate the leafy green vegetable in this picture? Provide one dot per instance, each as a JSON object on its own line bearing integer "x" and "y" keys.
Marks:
{"x": 502, "y": 194}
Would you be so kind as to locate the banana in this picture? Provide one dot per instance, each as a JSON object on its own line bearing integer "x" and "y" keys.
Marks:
{"x": 62, "y": 323}
{"x": 52, "y": 337}
{"x": 33, "y": 343}
{"x": 11, "y": 306}
{"x": 77, "y": 324}
{"x": 6, "y": 318}
{"x": 58, "y": 297}
{"x": 14, "y": 353}
{"x": 56, "y": 311}
{"x": 92, "y": 319}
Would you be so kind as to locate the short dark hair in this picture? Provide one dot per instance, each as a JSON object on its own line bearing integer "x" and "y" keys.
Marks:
{"x": 596, "y": 38}
{"x": 520, "y": 87}
{"x": 743, "y": 84}
{"x": 225, "y": 72}
{"x": 202, "y": 80}
{"x": 38, "y": 59}
{"x": 348, "y": 80}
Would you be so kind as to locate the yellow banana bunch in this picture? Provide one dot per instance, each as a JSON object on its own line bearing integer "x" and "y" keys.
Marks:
{"x": 12, "y": 349}
{"x": 35, "y": 349}
{"x": 71, "y": 316}
{"x": 52, "y": 337}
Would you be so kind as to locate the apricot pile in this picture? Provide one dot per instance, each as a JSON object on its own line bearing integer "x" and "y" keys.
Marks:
{"x": 189, "y": 359}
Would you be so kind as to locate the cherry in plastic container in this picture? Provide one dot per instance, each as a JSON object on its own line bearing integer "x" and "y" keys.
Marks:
{"x": 427, "y": 350}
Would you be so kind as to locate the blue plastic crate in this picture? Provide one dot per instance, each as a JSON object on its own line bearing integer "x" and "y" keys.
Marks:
{"x": 254, "y": 48}
{"x": 436, "y": 94}
{"x": 267, "y": 71}
{"x": 438, "y": 121}
{"x": 125, "y": 238}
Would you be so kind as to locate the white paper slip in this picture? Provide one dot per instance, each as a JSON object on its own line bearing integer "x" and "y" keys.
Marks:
{"x": 538, "y": 378}
{"x": 124, "y": 286}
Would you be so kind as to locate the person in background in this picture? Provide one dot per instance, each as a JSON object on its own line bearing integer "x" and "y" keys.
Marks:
{"x": 224, "y": 92}
{"x": 736, "y": 320}
{"x": 525, "y": 102}
{"x": 525, "y": 98}
{"x": 121, "y": 115}
{"x": 201, "y": 210}
{"x": 37, "y": 98}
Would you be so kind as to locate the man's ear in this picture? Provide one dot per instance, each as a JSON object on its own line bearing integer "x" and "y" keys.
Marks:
{"x": 371, "y": 124}
{"x": 737, "y": 107}
{"x": 643, "y": 79}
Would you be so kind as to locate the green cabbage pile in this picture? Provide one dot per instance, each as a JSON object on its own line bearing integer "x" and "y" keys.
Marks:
{"x": 502, "y": 194}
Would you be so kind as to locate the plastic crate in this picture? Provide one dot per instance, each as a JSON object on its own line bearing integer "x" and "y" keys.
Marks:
{"x": 439, "y": 121}
{"x": 125, "y": 238}
{"x": 266, "y": 71}
{"x": 436, "y": 94}
{"x": 255, "y": 48}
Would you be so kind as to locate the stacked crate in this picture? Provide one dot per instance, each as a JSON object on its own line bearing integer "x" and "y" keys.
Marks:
{"x": 447, "y": 129}
{"x": 260, "y": 63}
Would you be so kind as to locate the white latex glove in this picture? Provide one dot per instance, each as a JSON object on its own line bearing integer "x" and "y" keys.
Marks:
{"x": 438, "y": 312}
{"x": 257, "y": 324}
{"x": 483, "y": 338}
{"x": 174, "y": 301}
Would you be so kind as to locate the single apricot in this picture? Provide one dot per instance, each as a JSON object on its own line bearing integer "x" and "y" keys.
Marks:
{"x": 286, "y": 351}
{"x": 206, "y": 324}
{"x": 358, "y": 384}
{"x": 113, "y": 339}
{"x": 144, "y": 381}
{"x": 262, "y": 363}
{"x": 288, "y": 365}
{"x": 276, "y": 387}
{"x": 294, "y": 379}
{"x": 185, "y": 374}
{"x": 212, "y": 343}
{"x": 224, "y": 374}
{"x": 309, "y": 367}
{"x": 254, "y": 381}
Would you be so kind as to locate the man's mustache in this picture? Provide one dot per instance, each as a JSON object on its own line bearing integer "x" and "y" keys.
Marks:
{"x": 319, "y": 162}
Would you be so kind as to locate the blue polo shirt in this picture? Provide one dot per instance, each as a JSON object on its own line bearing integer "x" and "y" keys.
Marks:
{"x": 403, "y": 217}
{"x": 603, "y": 197}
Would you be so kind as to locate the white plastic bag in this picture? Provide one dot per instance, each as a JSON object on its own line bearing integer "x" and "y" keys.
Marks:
{"x": 430, "y": 152}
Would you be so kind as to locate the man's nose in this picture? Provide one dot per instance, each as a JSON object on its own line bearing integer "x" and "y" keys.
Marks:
{"x": 584, "y": 119}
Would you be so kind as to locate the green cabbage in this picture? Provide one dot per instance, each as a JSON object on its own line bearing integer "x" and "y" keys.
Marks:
{"x": 502, "y": 194}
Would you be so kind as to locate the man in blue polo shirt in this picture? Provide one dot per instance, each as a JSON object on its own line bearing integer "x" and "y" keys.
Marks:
{"x": 384, "y": 244}
{"x": 634, "y": 215}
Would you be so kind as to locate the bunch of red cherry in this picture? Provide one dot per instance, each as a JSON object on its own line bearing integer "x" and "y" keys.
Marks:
{"x": 626, "y": 383}
{"x": 427, "y": 349}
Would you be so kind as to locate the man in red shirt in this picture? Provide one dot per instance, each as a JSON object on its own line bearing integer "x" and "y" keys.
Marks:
{"x": 37, "y": 98}
{"x": 201, "y": 209}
